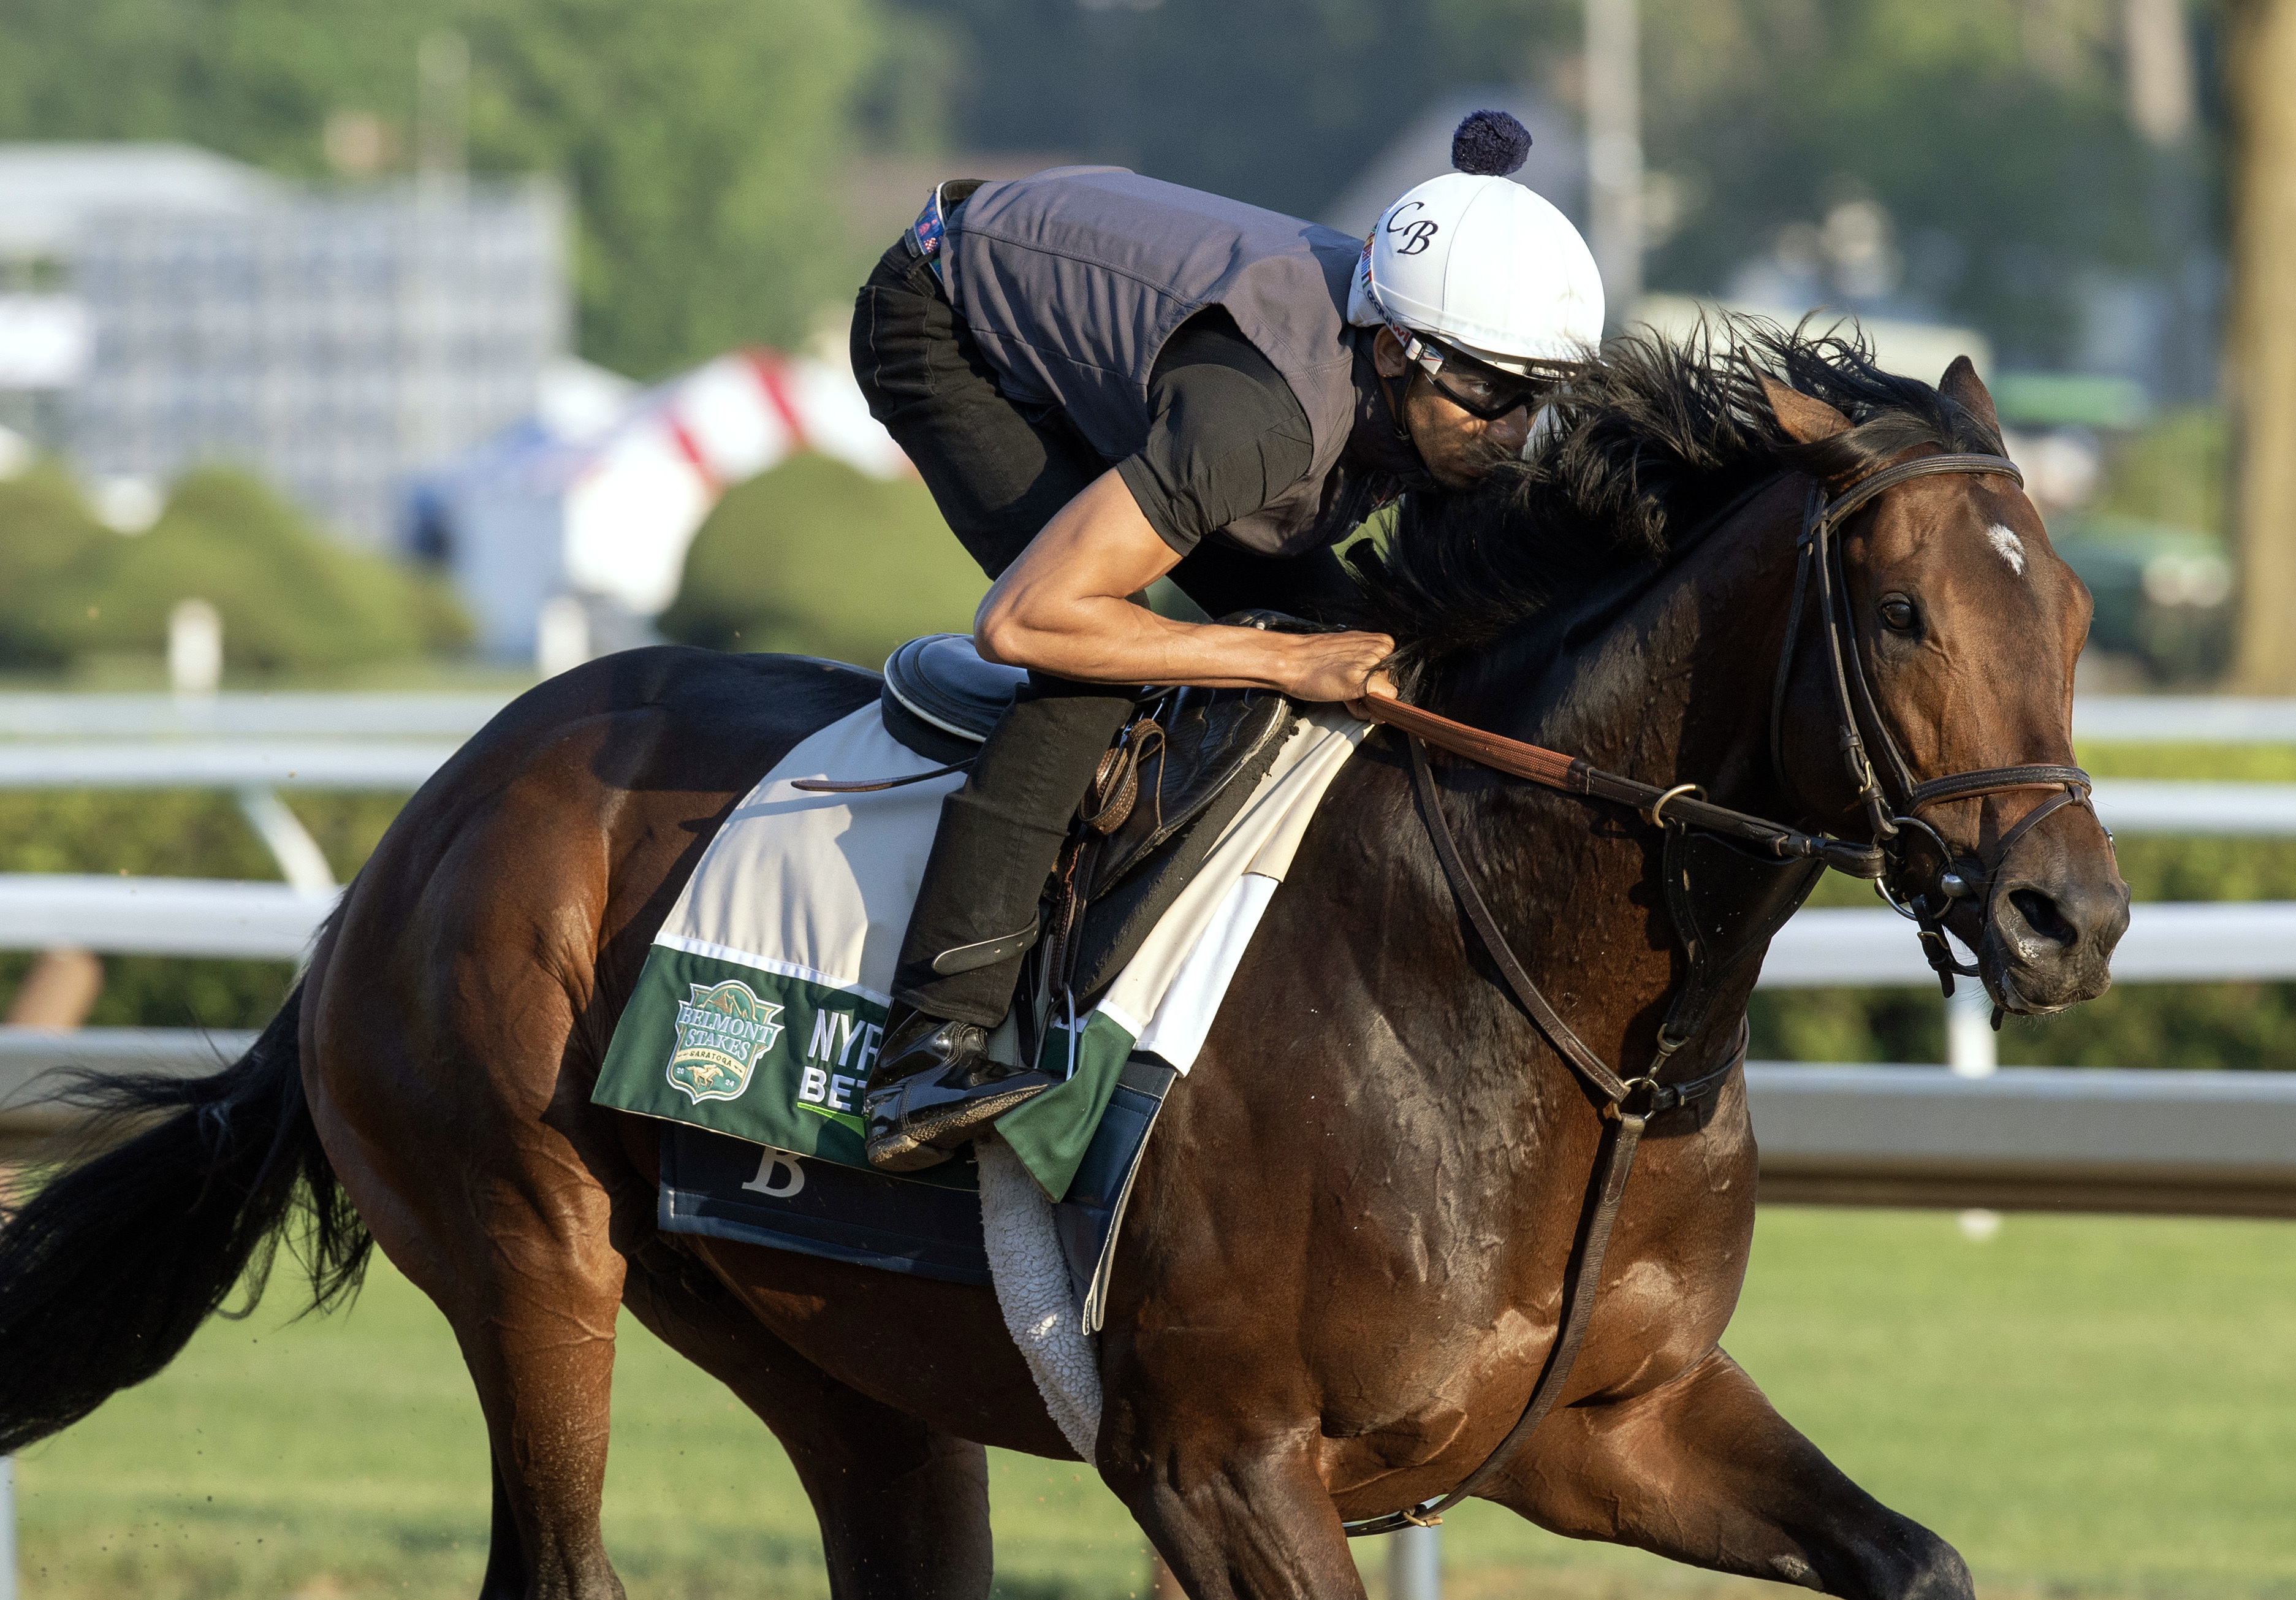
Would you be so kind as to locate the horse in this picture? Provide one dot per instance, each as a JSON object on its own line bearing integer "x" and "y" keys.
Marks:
{"x": 1343, "y": 1267}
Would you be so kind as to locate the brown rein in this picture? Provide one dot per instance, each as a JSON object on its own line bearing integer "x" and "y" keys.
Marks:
{"x": 1571, "y": 774}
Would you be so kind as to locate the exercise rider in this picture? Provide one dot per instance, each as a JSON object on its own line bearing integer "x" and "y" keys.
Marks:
{"x": 1104, "y": 379}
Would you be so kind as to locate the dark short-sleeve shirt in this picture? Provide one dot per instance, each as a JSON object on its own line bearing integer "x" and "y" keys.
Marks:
{"x": 1225, "y": 435}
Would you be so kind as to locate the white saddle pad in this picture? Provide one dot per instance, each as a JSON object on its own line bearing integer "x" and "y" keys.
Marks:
{"x": 763, "y": 999}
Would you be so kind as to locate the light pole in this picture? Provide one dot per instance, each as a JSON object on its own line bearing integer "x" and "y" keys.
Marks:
{"x": 1614, "y": 151}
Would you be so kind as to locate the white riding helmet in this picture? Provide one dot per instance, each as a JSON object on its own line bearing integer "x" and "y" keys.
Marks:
{"x": 1482, "y": 264}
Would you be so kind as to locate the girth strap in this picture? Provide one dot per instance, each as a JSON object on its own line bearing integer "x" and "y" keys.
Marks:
{"x": 1629, "y": 1107}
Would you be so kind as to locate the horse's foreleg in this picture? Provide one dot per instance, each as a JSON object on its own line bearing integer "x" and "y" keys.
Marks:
{"x": 1246, "y": 1521}
{"x": 505, "y": 1576}
{"x": 1702, "y": 1470}
{"x": 903, "y": 1506}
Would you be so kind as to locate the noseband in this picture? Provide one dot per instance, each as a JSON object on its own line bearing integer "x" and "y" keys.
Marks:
{"x": 1819, "y": 554}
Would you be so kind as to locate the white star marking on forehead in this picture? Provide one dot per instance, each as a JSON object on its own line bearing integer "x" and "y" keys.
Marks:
{"x": 2008, "y": 547}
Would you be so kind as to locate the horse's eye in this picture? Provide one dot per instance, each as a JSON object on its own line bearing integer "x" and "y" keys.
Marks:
{"x": 1898, "y": 611}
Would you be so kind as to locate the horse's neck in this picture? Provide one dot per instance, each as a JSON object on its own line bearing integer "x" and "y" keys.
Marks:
{"x": 1676, "y": 690}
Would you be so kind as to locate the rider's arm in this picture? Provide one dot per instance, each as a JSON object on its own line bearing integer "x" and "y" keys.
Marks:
{"x": 1062, "y": 607}
{"x": 1227, "y": 437}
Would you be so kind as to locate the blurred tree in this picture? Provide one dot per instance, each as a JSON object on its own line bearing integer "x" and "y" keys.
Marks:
{"x": 2260, "y": 339}
{"x": 1278, "y": 104}
{"x": 1991, "y": 133}
{"x": 816, "y": 559}
{"x": 699, "y": 136}
{"x": 2174, "y": 470}
{"x": 53, "y": 553}
{"x": 290, "y": 598}
{"x": 702, "y": 137}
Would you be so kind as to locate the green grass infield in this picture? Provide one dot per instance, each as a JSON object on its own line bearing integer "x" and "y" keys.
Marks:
{"x": 2087, "y": 1406}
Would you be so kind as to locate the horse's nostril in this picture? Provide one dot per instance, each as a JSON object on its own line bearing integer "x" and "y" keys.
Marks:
{"x": 2042, "y": 916}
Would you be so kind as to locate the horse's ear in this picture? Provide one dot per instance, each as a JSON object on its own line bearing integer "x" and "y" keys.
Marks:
{"x": 1806, "y": 418}
{"x": 1963, "y": 386}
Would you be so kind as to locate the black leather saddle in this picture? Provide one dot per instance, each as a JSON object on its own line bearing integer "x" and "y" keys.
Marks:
{"x": 941, "y": 700}
{"x": 1185, "y": 764}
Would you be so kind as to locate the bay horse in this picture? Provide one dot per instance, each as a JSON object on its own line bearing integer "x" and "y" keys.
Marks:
{"x": 1344, "y": 1263}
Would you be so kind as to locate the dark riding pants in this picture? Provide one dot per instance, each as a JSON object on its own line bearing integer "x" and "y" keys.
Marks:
{"x": 999, "y": 472}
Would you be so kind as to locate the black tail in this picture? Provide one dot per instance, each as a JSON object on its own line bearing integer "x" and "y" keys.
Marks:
{"x": 107, "y": 1272}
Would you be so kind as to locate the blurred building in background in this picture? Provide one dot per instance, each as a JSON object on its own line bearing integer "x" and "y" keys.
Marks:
{"x": 161, "y": 306}
{"x": 566, "y": 533}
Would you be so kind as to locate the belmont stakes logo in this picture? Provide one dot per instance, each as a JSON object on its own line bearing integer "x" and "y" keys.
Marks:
{"x": 722, "y": 1031}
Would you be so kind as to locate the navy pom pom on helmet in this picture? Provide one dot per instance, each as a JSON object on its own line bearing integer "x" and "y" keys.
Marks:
{"x": 1491, "y": 145}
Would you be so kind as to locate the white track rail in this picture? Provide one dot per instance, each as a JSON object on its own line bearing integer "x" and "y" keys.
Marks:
{"x": 234, "y": 763}
{"x": 2182, "y": 719}
{"x": 2167, "y": 942}
{"x": 453, "y": 717}
{"x": 201, "y": 917}
{"x": 1821, "y": 949}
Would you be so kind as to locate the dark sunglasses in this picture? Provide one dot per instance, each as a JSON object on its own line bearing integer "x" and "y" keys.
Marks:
{"x": 1483, "y": 392}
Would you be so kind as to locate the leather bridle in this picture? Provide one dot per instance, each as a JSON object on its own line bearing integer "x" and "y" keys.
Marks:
{"x": 1819, "y": 559}
{"x": 1629, "y": 1104}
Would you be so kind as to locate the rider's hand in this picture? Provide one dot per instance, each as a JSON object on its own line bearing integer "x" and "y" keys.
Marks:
{"x": 1337, "y": 667}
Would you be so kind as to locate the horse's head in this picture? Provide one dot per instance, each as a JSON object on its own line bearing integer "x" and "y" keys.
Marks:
{"x": 1966, "y": 625}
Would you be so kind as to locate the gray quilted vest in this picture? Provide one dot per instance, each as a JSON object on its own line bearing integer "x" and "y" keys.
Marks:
{"x": 1072, "y": 279}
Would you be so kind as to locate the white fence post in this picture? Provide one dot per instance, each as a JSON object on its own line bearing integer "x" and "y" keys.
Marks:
{"x": 195, "y": 648}
{"x": 1972, "y": 1047}
{"x": 1414, "y": 1565}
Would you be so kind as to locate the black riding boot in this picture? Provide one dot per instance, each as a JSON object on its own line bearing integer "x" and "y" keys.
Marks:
{"x": 933, "y": 1087}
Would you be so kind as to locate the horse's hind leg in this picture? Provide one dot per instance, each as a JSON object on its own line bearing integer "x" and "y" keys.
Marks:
{"x": 903, "y": 1506}
{"x": 539, "y": 1343}
{"x": 1702, "y": 1470}
{"x": 479, "y": 1182}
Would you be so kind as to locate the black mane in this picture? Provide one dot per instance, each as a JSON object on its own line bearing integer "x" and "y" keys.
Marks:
{"x": 1629, "y": 463}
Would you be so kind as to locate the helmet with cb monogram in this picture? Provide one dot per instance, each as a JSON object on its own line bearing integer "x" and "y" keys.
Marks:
{"x": 1478, "y": 275}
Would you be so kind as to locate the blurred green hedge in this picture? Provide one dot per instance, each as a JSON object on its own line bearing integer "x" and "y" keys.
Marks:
{"x": 54, "y": 558}
{"x": 292, "y": 599}
{"x": 816, "y": 559}
{"x": 187, "y": 834}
